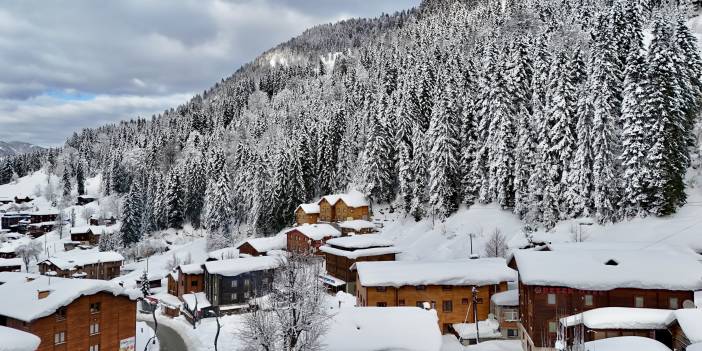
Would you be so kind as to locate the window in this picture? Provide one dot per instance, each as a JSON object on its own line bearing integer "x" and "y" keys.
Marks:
{"x": 551, "y": 299}
{"x": 511, "y": 333}
{"x": 95, "y": 348}
{"x": 588, "y": 300}
{"x": 94, "y": 328}
{"x": 639, "y": 302}
{"x": 247, "y": 282}
{"x": 382, "y": 304}
{"x": 61, "y": 314}
{"x": 465, "y": 301}
{"x": 95, "y": 307}
{"x": 265, "y": 280}
{"x": 552, "y": 327}
{"x": 246, "y": 295}
{"x": 510, "y": 315}
{"x": 232, "y": 296}
{"x": 421, "y": 287}
{"x": 447, "y": 306}
{"x": 193, "y": 283}
{"x": 380, "y": 288}
{"x": 674, "y": 303}
{"x": 401, "y": 302}
{"x": 59, "y": 337}
{"x": 234, "y": 284}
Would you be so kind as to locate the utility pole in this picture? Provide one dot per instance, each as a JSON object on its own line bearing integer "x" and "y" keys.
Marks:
{"x": 475, "y": 314}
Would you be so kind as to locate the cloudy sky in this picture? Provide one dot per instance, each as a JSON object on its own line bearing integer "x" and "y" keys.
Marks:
{"x": 65, "y": 65}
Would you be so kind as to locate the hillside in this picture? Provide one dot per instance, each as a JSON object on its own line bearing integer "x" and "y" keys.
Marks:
{"x": 13, "y": 148}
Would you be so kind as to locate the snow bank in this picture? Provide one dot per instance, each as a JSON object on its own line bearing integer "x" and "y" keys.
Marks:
{"x": 355, "y": 254}
{"x": 199, "y": 299}
{"x": 357, "y": 225}
{"x": 496, "y": 345}
{"x": 352, "y": 199}
{"x": 278, "y": 242}
{"x": 19, "y": 298}
{"x": 17, "y": 340}
{"x": 690, "y": 321}
{"x": 622, "y": 343}
{"x": 489, "y": 328}
{"x": 317, "y": 231}
{"x": 223, "y": 254}
{"x": 621, "y": 318}
{"x": 237, "y": 266}
{"x": 506, "y": 298}
{"x": 144, "y": 333}
{"x": 479, "y": 272}
{"x": 379, "y": 328}
{"x": 360, "y": 241}
{"x": 80, "y": 258}
{"x": 695, "y": 347}
{"x": 309, "y": 208}
{"x": 610, "y": 269}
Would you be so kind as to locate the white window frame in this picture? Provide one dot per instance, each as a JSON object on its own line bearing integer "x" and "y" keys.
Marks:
{"x": 95, "y": 347}
{"x": 60, "y": 338}
{"x": 510, "y": 315}
{"x": 94, "y": 328}
{"x": 674, "y": 306}
{"x": 638, "y": 299}
{"x": 589, "y": 300}
{"x": 551, "y": 297}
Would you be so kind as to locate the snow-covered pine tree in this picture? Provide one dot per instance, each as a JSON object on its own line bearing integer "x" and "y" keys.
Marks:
{"x": 174, "y": 199}
{"x": 378, "y": 163}
{"x": 66, "y": 181}
{"x": 80, "y": 178}
{"x": 145, "y": 284}
{"x": 689, "y": 68}
{"x": 420, "y": 172}
{"x": 217, "y": 216}
{"x": 405, "y": 175}
{"x": 328, "y": 151}
{"x": 501, "y": 141}
{"x": 132, "y": 212}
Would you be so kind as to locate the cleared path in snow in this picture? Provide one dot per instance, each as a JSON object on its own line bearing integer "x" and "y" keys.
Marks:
{"x": 168, "y": 338}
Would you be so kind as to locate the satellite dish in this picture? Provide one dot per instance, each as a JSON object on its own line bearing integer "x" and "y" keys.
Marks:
{"x": 688, "y": 304}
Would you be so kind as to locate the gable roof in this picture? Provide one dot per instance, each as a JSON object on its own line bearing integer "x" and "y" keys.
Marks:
{"x": 622, "y": 318}
{"x": 95, "y": 229}
{"x": 690, "y": 321}
{"x": 17, "y": 340}
{"x": 309, "y": 208}
{"x": 19, "y": 297}
{"x": 587, "y": 270}
{"x": 478, "y": 272}
{"x": 352, "y": 199}
{"x": 360, "y": 241}
{"x": 193, "y": 268}
{"x": 74, "y": 259}
{"x": 265, "y": 244}
{"x": 316, "y": 231}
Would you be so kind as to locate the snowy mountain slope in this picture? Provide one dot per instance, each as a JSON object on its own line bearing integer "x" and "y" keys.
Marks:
{"x": 12, "y": 148}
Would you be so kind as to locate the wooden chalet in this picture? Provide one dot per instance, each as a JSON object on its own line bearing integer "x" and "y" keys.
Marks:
{"x": 11, "y": 264}
{"x": 68, "y": 314}
{"x": 186, "y": 279}
{"x": 554, "y": 284}
{"x": 686, "y": 329}
{"x": 307, "y": 214}
{"x": 356, "y": 226}
{"x": 444, "y": 286}
{"x": 230, "y": 284}
{"x": 343, "y": 207}
{"x": 262, "y": 246}
{"x": 342, "y": 253}
{"x": 84, "y": 199}
{"x": 505, "y": 307}
{"x": 154, "y": 280}
{"x": 83, "y": 264}
{"x": 87, "y": 235}
{"x": 43, "y": 216}
{"x": 307, "y": 238}
{"x": 13, "y": 221}
{"x": 36, "y": 230}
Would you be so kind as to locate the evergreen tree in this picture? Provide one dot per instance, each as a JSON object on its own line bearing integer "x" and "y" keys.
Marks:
{"x": 131, "y": 229}
{"x": 419, "y": 169}
{"x": 174, "y": 199}
{"x": 80, "y": 178}
{"x": 501, "y": 141}
{"x": 378, "y": 163}
{"x": 329, "y": 151}
{"x": 66, "y": 180}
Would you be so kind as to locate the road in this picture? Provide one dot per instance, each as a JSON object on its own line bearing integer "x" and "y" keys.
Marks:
{"x": 168, "y": 338}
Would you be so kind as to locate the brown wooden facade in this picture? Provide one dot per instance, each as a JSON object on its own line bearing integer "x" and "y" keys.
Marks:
{"x": 73, "y": 327}
{"x": 189, "y": 283}
{"x": 302, "y": 217}
{"x": 450, "y": 302}
{"x": 38, "y": 229}
{"x": 248, "y": 249}
{"x": 340, "y": 267}
{"x": 340, "y": 211}
{"x": 300, "y": 243}
{"x": 89, "y": 237}
{"x": 100, "y": 270}
{"x": 42, "y": 217}
{"x": 541, "y": 307}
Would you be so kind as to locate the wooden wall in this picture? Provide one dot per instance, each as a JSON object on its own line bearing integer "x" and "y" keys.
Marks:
{"x": 326, "y": 211}
{"x": 247, "y": 249}
{"x": 300, "y": 243}
{"x": 339, "y": 266}
{"x": 190, "y": 283}
{"x": 343, "y": 212}
{"x": 117, "y": 320}
{"x": 301, "y": 217}
{"x": 102, "y": 271}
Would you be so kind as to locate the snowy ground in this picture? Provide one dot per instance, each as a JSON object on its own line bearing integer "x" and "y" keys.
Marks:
{"x": 144, "y": 333}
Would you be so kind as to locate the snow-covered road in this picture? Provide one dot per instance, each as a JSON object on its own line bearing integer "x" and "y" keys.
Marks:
{"x": 168, "y": 338}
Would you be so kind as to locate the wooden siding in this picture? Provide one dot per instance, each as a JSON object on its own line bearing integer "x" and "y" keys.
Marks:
{"x": 326, "y": 211}
{"x": 300, "y": 243}
{"x": 223, "y": 290}
{"x": 190, "y": 283}
{"x": 116, "y": 319}
{"x": 301, "y": 217}
{"x": 102, "y": 271}
{"x": 89, "y": 238}
{"x": 460, "y": 297}
{"x": 247, "y": 249}
{"x": 536, "y": 312}
{"x": 343, "y": 212}
{"x": 340, "y": 266}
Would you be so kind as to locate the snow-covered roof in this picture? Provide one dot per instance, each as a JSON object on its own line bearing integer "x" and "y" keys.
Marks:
{"x": 201, "y": 298}
{"x": 41, "y": 224}
{"x": 278, "y": 242}
{"x": 378, "y": 328}
{"x": 73, "y": 259}
{"x": 167, "y": 299}
{"x": 610, "y": 269}
{"x": 620, "y": 246}
{"x": 484, "y": 271}
{"x": 223, "y": 254}
{"x": 357, "y": 224}
{"x": 8, "y": 247}
{"x": 506, "y": 298}
{"x": 489, "y": 328}
{"x": 309, "y": 208}
{"x": 621, "y": 343}
{"x": 44, "y": 213}
{"x": 351, "y": 199}
{"x": 193, "y": 268}
{"x": 19, "y": 297}
{"x": 95, "y": 229}
{"x": 237, "y": 266}
{"x": 621, "y": 318}
{"x": 10, "y": 262}
{"x": 360, "y": 241}
{"x": 17, "y": 340}
{"x": 355, "y": 254}
{"x": 317, "y": 231}
{"x": 690, "y": 321}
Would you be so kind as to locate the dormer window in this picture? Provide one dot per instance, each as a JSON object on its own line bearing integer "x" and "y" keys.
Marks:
{"x": 612, "y": 263}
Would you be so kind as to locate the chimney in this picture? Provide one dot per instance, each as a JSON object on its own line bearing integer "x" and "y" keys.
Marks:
{"x": 42, "y": 294}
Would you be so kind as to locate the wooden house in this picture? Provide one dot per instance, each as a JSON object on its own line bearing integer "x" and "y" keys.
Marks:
{"x": 356, "y": 226}
{"x": 686, "y": 329}
{"x": 102, "y": 220}
{"x": 21, "y": 200}
{"x": 554, "y": 284}
{"x": 343, "y": 207}
{"x": 5, "y": 200}
{"x": 307, "y": 238}
{"x": 230, "y": 284}
{"x": 505, "y": 307}
{"x": 11, "y": 264}
{"x": 445, "y": 286}
{"x": 13, "y": 221}
{"x": 307, "y": 214}
{"x": 262, "y": 246}
{"x": 43, "y": 216}
{"x": 154, "y": 280}
{"x": 68, "y": 314}
{"x": 83, "y": 264}
{"x": 342, "y": 253}
{"x": 84, "y": 199}
{"x": 190, "y": 279}
{"x": 36, "y": 230}
{"x": 87, "y": 235}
